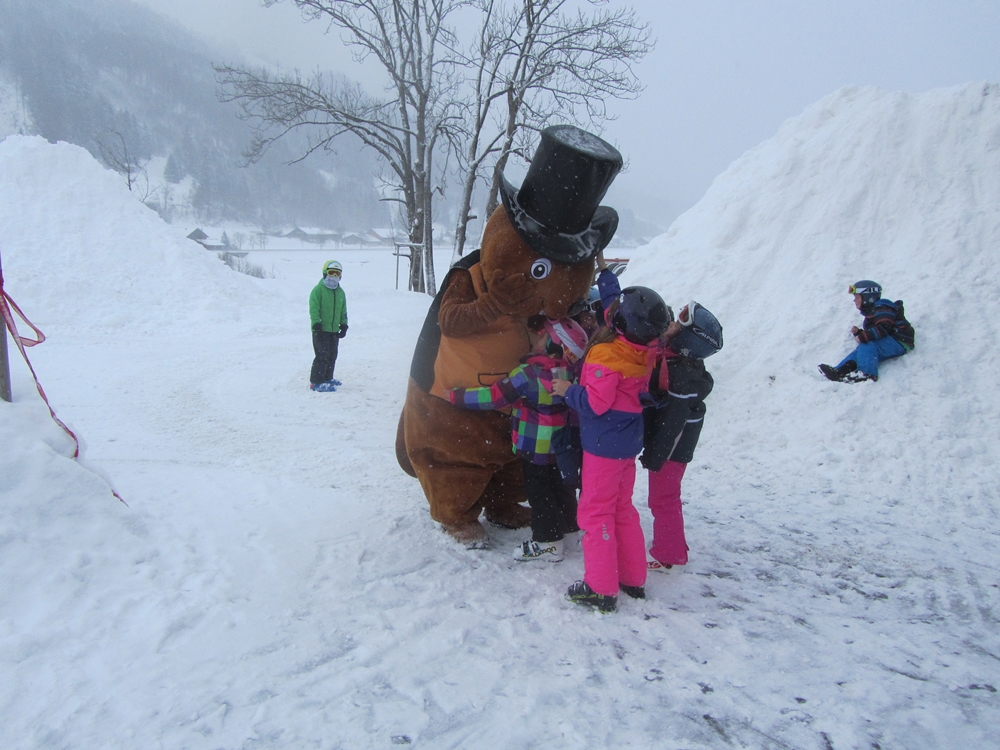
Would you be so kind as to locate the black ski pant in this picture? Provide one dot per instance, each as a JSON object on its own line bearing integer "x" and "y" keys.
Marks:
{"x": 553, "y": 503}
{"x": 325, "y": 345}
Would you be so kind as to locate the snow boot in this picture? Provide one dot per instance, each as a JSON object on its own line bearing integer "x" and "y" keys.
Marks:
{"x": 532, "y": 550}
{"x": 656, "y": 565}
{"x": 839, "y": 374}
{"x": 636, "y": 592}
{"x": 336, "y": 382}
{"x": 580, "y": 593}
{"x": 859, "y": 377}
{"x": 327, "y": 387}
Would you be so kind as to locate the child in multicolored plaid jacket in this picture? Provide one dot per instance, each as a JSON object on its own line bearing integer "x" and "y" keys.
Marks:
{"x": 537, "y": 415}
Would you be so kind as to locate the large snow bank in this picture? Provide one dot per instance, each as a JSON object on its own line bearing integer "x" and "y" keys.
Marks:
{"x": 77, "y": 243}
{"x": 901, "y": 188}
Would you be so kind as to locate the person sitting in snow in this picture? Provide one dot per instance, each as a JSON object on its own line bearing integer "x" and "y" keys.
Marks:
{"x": 328, "y": 315}
{"x": 538, "y": 416}
{"x": 884, "y": 334}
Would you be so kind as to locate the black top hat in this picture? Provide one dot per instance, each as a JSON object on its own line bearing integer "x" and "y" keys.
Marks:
{"x": 556, "y": 210}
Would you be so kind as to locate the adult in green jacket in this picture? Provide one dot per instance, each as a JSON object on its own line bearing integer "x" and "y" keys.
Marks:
{"x": 328, "y": 315}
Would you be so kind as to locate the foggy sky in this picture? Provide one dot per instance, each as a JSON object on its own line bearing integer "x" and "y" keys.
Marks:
{"x": 723, "y": 77}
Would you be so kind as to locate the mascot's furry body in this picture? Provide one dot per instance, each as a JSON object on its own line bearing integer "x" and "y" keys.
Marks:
{"x": 463, "y": 458}
{"x": 476, "y": 333}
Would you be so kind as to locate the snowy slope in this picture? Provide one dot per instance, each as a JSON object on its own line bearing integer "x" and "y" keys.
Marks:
{"x": 901, "y": 188}
{"x": 276, "y": 581}
{"x": 81, "y": 246}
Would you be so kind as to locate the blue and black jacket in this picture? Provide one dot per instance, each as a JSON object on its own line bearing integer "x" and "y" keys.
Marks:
{"x": 886, "y": 318}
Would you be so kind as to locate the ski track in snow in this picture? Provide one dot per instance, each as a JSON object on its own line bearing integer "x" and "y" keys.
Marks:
{"x": 276, "y": 580}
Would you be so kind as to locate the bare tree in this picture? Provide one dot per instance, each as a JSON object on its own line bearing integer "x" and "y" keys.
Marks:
{"x": 545, "y": 62}
{"x": 118, "y": 157}
{"x": 415, "y": 121}
{"x": 484, "y": 64}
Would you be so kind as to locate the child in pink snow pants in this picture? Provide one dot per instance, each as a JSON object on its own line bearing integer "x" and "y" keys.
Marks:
{"x": 669, "y": 546}
{"x": 613, "y": 545}
{"x": 616, "y": 369}
{"x": 674, "y": 417}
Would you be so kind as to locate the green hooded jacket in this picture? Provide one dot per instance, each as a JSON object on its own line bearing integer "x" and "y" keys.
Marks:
{"x": 327, "y": 306}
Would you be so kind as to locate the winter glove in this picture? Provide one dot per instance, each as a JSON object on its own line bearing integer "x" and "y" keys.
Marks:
{"x": 343, "y": 330}
{"x": 317, "y": 327}
{"x": 653, "y": 399}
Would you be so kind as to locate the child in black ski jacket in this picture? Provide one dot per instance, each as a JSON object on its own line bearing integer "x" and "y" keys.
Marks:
{"x": 672, "y": 420}
{"x": 885, "y": 333}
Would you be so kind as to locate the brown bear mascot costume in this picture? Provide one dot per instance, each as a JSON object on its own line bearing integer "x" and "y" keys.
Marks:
{"x": 537, "y": 258}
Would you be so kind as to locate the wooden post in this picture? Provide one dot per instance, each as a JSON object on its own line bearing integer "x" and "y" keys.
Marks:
{"x": 4, "y": 362}
{"x": 408, "y": 256}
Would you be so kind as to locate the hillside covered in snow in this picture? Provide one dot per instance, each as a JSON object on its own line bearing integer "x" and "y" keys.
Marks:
{"x": 116, "y": 78}
{"x": 276, "y": 581}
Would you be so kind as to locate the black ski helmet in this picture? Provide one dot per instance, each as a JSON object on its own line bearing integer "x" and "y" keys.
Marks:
{"x": 701, "y": 334}
{"x": 870, "y": 291}
{"x": 642, "y": 315}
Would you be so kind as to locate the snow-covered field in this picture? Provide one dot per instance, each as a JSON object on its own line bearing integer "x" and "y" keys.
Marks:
{"x": 276, "y": 581}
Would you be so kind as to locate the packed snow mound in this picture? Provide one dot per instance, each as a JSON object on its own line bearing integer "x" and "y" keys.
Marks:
{"x": 866, "y": 184}
{"x": 75, "y": 241}
{"x": 903, "y": 188}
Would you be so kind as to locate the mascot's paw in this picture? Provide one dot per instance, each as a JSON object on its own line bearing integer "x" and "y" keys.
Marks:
{"x": 514, "y": 517}
{"x": 470, "y": 535}
{"x": 509, "y": 292}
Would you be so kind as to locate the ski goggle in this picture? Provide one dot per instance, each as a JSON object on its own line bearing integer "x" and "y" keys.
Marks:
{"x": 686, "y": 316}
{"x": 332, "y": 272}
{"x": 852, "y": 289}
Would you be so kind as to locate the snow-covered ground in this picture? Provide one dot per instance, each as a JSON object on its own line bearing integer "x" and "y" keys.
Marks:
{"x": 276, "y": 581}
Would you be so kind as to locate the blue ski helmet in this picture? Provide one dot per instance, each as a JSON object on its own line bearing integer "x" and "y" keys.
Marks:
{"x": 591, "y": 302}
{"x": 642, "y": 315}
{"x": 870, "y": 291}
{"x": 701, "y": 334}
{"x": 594, "y": 304}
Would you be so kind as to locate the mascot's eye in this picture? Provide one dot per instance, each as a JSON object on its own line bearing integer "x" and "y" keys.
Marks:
{"x": 541, "y": 268}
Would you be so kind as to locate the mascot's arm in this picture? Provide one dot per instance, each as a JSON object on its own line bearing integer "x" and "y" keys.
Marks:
{"x": 501, "y": 395}
{"x": 464, "y": 314}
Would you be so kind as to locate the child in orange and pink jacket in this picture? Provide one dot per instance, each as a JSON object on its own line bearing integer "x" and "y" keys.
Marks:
{"x": 616, "y": 369}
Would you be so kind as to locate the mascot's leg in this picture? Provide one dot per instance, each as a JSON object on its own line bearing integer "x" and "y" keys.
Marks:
{"x": 455, "y": 497}
{"x": 455, "y": 454}
{"x": 502, "y": 497}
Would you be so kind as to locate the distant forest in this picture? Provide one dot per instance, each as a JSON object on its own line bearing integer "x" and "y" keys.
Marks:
{"x": 108, "y": 71}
